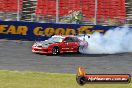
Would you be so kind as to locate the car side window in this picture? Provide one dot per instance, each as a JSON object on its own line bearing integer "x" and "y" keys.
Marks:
{"x": 75, "y": 39}
{"x": 68, "y": 40}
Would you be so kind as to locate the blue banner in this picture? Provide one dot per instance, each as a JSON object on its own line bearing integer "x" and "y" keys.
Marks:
{"x": 42, "y": 31}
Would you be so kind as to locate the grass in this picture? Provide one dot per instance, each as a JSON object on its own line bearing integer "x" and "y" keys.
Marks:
{"x": 17, "y": 79}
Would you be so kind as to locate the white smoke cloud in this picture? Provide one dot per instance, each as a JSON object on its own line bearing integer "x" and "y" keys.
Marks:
{"x": 118, "y": 40}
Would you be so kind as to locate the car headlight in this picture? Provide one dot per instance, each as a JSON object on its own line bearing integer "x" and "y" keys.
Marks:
{"x": 45, "y": 45}
{"x": 37, "y": 44}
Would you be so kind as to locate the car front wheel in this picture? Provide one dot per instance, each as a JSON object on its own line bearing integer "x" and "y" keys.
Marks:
{"x": 55, "y": 51}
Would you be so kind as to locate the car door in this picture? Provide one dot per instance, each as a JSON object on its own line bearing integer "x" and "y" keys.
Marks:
{"x": 74, "y": 44}
{"x": 70, "y": 44}
{"x": 66, "y": 44}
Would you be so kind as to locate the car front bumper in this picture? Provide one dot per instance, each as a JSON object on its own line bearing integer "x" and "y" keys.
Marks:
{"x": 41, "y": 50}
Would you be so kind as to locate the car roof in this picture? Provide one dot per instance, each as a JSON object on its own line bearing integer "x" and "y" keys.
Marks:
{"x": 64, "y": 36}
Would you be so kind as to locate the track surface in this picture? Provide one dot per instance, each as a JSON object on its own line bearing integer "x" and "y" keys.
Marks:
{"x": 17, "y": 55}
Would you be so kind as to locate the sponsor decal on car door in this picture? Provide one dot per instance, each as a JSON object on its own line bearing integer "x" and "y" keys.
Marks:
{"x": 64, "y": 46}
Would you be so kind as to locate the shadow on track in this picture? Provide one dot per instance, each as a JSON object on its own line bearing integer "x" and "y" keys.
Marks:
{"x": 87, "y": 55}
{"x": 75, "y": 55}
{"x": 82, "y": 55}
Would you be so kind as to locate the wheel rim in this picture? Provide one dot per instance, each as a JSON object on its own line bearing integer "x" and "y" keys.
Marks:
{"x": 55, "y": 51}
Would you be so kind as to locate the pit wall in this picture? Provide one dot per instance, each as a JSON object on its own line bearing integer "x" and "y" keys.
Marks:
{"x": 41, "y": 31}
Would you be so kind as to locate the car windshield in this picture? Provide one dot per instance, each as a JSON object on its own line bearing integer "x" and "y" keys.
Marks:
{"x": 56, "y": 39}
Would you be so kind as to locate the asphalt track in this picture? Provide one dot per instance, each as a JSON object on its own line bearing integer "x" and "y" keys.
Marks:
{"x": 17, "y": 55}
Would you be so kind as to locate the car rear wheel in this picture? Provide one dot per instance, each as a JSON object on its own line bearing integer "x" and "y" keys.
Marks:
{"x": 55, "y": 51}
{"x": 78, "y": 49}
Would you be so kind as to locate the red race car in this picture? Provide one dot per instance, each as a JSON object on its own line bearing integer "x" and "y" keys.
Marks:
{"x": 57, "y": 44}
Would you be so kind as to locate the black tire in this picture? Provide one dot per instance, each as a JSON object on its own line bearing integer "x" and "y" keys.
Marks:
{"x": 55, "y": 51}
{"x": 81, "y": 80}
{"x": 78, "y": 49}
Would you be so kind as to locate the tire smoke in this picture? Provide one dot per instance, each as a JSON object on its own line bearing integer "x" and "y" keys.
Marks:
{"x": 118, "y": 40}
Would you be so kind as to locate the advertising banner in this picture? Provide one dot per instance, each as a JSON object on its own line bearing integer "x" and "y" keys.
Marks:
{"x": 42, "y": 31}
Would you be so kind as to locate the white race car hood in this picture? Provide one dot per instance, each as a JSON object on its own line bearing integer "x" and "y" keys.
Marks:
{"x": 43, "y": 43}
